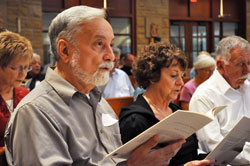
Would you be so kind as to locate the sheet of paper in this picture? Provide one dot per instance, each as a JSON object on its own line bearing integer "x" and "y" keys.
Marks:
{"x": 233, "y": 143}
{"x": 181, "y": 124}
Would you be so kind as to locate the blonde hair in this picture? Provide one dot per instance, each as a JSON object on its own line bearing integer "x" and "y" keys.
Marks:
{"x": 14, "y": 46}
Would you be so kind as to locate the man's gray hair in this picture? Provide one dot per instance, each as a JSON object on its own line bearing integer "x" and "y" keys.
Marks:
{"x": 225, "y": 46}
{"x": 67, "y": 24}
{"x": 116, "y": 50}
{"x": 36, "y": 55}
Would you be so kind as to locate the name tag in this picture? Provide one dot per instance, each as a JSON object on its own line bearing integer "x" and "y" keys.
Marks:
{"x": 108, "y": 120}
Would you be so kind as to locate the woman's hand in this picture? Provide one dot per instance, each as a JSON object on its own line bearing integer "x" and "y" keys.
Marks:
{"x": 2, "y": 150}
{"x": 205, "y": 162}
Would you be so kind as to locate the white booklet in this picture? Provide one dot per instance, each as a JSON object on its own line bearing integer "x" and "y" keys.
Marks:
{"x": 232, "y": 144}
{"x": 179, "y": 125}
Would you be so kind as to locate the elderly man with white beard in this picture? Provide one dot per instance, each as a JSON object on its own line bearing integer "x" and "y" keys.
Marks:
{"x": 65, "y": 120}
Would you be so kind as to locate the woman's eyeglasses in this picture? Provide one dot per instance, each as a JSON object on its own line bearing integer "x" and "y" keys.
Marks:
{"x": 21, "y": 68}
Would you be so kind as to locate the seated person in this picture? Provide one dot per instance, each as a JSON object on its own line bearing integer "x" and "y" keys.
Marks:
{"x": 128, "y": 62}
{"x": 62, "y": 122}
{"x": 192, "y": 72}
{"x": 119, "y": 84}
{"x": 204, "y": 67}
{"x": 35, "y": 74}
{"x": 159, "y": 70}
{"x": 15, "y": 57}
{"x": 228, "y": 86}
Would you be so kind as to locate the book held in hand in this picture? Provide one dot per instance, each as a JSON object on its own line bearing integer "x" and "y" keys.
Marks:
{"x": 232, "y": 144}
{"x": 179, "y": 125}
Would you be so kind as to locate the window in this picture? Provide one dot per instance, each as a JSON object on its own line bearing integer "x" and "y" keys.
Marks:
{"x": 199, "y": 38}
{"x": 223, "y": 29}
{"x": 191, "y": 37}
{"x": 122, "y": 32}
{"x": 177, "y": 35}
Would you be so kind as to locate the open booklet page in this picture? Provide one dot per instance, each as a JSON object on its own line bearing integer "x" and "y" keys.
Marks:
{"x": 181, "y": 124}
{"x": 233, "y": 143}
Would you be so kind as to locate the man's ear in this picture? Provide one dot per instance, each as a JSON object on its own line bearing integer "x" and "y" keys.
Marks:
{"x": 64, "y": 50}
{"x": 220, "y": 65}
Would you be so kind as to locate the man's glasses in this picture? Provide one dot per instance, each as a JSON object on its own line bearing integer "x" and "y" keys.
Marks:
{"x": 21, "y": 68}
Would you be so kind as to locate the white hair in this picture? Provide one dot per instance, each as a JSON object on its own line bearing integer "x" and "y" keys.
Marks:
{"x": 116, "y": 50}
{"x": 67, "y": 24}
{"x": 225, "y": 46}
{"x": 36, "y": 55}
{"x": 204, "y": 61}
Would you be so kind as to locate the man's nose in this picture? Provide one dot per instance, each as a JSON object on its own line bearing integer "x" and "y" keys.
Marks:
{"x": 246, "y": 68}
{"x": 109, "y": 55}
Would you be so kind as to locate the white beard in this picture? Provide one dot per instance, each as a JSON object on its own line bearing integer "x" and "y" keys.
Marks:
{"x": 98, "y": 78}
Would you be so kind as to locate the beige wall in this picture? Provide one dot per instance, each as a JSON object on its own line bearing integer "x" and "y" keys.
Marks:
{"x": 30, "y": 16}
{"x": 151, "y": 11}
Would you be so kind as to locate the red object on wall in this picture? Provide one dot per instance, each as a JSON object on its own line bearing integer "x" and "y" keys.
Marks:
{"x": 193, "y": 1}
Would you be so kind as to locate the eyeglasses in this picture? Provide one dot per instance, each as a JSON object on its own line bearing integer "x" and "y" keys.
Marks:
{"x": 21, "y": 68}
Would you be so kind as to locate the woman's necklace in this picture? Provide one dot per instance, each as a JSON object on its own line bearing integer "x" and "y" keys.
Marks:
{"x": 159, "y": 113}
{"x": 10, "y": 105}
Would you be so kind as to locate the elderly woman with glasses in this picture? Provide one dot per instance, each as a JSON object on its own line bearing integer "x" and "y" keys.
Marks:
{"x": 159, "y": 69}
{"x": 15, "y": 57}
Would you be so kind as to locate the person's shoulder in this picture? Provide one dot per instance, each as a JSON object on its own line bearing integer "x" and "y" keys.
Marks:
{"x": 189, "y": 83}
{"x": 33, "y": 96}
{"x": 21, "y": 91}
{"x": 174, "y": 107}
{"x": 120, "y": 72}
{"x": 133, "y": 108}
{"x": 134, "y": 115}
{"x": 138, "y": 107}
{"x": 207, "y": 85}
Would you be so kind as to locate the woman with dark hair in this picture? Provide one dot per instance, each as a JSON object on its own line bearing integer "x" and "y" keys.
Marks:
{"x": 15, "y": 57}
{"x": 158, "y": 69}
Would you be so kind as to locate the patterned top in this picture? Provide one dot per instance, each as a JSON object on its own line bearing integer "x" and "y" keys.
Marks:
{"x": 19, "y": 93}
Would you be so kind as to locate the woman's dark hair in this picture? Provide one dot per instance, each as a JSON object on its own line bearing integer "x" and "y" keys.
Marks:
{"x": 153, "y": 58}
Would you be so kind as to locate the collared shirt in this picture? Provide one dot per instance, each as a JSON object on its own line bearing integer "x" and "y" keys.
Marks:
{"x": 215, "y": 92}
{"x": 58, "y": 125}
{"x": 119, "y": 85}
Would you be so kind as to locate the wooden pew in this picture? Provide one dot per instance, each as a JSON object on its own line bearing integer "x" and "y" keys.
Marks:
{"x": 117, "y": 102}
{"x": 133, "y": 81}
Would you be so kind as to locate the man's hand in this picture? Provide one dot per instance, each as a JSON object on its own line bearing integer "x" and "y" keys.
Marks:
{"x": 2, "y": 150}
{"x": 146, "y": 156}
{"x": 205, "y": 162}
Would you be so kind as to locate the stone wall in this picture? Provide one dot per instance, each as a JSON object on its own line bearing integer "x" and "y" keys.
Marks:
{"x": 148, "y": 12}
{"x": 29, "y": 14}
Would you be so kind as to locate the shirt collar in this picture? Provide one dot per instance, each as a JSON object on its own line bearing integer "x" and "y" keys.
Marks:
{"x": 61, "y": 86}
{"x": 65, "y": 89}
{"x": 224, "y": 86}
{"x": 115, "y": 72}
